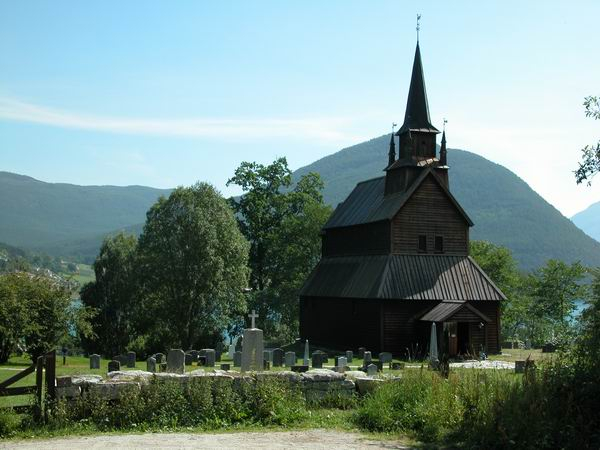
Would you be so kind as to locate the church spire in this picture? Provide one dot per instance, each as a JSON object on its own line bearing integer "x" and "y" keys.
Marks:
{"x": 443, "y": 151}
{"x": 392, "y": 152}
{"x": 416, "y": 117}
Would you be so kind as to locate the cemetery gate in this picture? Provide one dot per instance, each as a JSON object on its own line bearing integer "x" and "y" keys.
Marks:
{"x": 45, "y": 374}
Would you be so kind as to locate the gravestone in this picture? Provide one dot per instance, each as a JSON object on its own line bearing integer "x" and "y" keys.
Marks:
{"x": 131, "y": 360}
{"x": 361, "y": 352}
{"x": 218, "y": 351}
{"x": 151, "y": 364}
{"x": 232, "y": 347}
{"x": 210, "y": 355}
{"x": 306, "y": 353}
{"x": 299, "y": 368}
{"x": 237, "y": 359}
{"x": 317, "y": 360}
{"x": 114, "y": 366}
{"x": 367, "y": 358}
{"x": 94, "y": 361}
{"x": 341, "y": 362}
{"x": 268, "y": 355}
{"x": 278, "y": 354}
{"x": 189, "y": 359}
{"x": 252, "y": 347}
{"x": 290, "y": 359}
{"x": 371, "y": 370}
{"x": 176, "y": 361}
{"x": 225, "y": 366}
{"x": 239, "y": 344}
{"x": 160, "y": 358}
{"x": 349, "y": 355}
{"x": 385, "y": 357}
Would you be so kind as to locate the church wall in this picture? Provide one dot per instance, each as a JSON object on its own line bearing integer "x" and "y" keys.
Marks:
{"x": 367, "y": 239}
{"x": 430, "y": 212}
{"x": 492, "y": 311}
{"x": 403, "y": 332}
{"x": 340, "y": 323}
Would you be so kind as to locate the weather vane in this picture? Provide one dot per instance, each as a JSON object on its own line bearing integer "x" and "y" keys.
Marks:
{"x": 418, "y": 25}
{"x": 394, "y": 125}
{"x": 445, "y": 122}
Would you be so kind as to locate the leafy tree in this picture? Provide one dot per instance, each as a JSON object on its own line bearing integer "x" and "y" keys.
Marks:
{"x": 113, "y": 295}
{"x": 282, "y": 225}
{"x": 587, "y": 348}
{"x": 13, "y": 317}
{"x": 590, "y": 163}
{"x": 557, "y": 287}
{"x": 44, "y": 311}
{"x": 193, "y": 268}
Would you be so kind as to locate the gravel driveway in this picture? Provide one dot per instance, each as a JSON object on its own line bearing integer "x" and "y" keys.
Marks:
{"x": 307, "y": 439}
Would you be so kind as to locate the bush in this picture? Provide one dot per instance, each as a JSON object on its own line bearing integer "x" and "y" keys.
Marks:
{"x": 9, "y": 422}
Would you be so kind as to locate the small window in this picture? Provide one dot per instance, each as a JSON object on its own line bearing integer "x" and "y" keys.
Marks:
{"x": 422, "y": 243}
{"x": 439, "y": 244}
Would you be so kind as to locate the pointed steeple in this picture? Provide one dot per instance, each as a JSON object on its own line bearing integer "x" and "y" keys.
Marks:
{"x": 443, "y": 151}
{"x": 392, "y": 152}
{"x": 416, "y": 117}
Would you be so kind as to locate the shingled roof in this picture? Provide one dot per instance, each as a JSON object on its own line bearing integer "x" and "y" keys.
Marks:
{"x": 367, "y": 202}
{"x": 402, "y": 277}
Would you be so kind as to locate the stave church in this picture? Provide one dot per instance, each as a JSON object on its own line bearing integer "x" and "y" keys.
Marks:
{"x": 395, "y": 256}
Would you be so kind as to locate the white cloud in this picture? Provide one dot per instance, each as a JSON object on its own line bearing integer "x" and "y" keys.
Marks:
{"x": 325, "y": 130}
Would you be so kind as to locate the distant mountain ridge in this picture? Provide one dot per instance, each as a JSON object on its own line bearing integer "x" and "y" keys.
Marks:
{"x": 51, "y": 217}
{"x": 505, "y": 209}
{"x": 589, "y": 220}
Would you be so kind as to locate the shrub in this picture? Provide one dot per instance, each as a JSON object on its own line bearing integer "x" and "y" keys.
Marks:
{"x": 9, "y": 422}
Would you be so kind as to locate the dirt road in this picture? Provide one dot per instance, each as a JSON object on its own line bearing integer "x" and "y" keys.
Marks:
{"x": 306, "y": 439}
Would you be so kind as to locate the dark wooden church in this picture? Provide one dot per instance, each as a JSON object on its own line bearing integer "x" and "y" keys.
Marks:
{"x": 395, "y": 257}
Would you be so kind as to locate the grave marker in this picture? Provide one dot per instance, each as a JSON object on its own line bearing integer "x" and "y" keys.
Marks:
{"x": 114, "y": 365}
{"x": 371, "y": 370}
{"x": 94, "y": 361}
{"x": 176, "y": 361}
{"x": 290, "y": 359}
{"x": 237, "y": 359}
{"x": 151, "y": 364}
{"x": 252, "y": 347}
{"x": 131, "y": 360}
{"x": 278, "y": 354}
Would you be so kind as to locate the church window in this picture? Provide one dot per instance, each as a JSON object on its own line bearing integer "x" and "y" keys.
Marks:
{"x": 439, "y": 244}
{"x": 422, "y": 243}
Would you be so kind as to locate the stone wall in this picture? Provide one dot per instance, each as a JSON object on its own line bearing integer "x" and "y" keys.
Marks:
{"x": 316, "y": 384}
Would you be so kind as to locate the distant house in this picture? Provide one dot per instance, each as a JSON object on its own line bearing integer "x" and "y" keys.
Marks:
{"x": 395, "y": 256}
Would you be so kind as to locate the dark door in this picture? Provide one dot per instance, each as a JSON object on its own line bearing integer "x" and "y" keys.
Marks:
{"x": 464, "y": 341}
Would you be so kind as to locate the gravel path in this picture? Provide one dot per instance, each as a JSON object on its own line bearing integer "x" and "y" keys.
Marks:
{"x": 308, "y": 439}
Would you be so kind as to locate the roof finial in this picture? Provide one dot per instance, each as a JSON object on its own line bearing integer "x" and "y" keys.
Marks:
{"x": 418, "y": 26}
{"x": 394, "y": 125}
{"x": 445, "y": 122}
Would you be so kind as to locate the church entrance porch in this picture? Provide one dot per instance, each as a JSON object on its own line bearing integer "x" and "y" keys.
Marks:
{"x": 464, "y": 328}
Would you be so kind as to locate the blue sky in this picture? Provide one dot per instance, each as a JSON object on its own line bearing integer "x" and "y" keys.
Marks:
{"x": 168, "y": 93}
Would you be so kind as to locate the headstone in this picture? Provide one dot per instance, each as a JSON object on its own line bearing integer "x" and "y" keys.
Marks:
{"x": 131, "y": 360}
{"x": 371, "y": 370}
{"x": 361, "y": 352}
{"x": 151, "y": 364}
{"x": 299, "y": 368}
{"x": 121, "y": 358}
{"x": 252, "y": 350}
{"x": 266, "y": 365}
{"x": 239, "y": 345}
{"x": 114, "y": 366}
{"x": 237, "y": 359}
{"x": 94, "y": 361}
{"x": 189, "y": 359}
{"x": 160, "y": 358}
{"x": 210, "y": 357}
{"x": 317, "y": 360}
{"x": 385, "y": 357}
{"x": 225, "y": 366}
{"x": 306, "y": 353}
{"x": 367, "y": 358}
{"x": 278, "y": 354}
{"x": 349, "y": 355}
{"x": 176, "y": 361}
{"x": 341, "y": 362}
{"x": 268, "y": 355}
{"x": 232, "y": 346}
{"x": 218, "y": 351}
{"x": 290, "y": 359}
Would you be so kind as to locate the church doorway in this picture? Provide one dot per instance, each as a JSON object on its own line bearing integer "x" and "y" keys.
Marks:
{"x": 458, "y": 338}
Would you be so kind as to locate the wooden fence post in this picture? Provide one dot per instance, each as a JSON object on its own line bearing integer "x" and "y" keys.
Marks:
{"x": 51, "y": 375}
{"x": 39, "y": 383}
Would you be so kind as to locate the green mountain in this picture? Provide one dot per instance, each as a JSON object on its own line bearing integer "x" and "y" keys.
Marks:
{"x": 505, "y": 209}
{"x": 65, "y": 219}
{"x": 589, "y": 220}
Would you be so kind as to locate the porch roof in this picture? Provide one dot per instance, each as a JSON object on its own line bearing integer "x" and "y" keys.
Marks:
{"x": 459, "y": 311}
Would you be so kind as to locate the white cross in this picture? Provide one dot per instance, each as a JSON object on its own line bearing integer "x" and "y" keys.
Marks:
{"x": 253, "y": 316}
